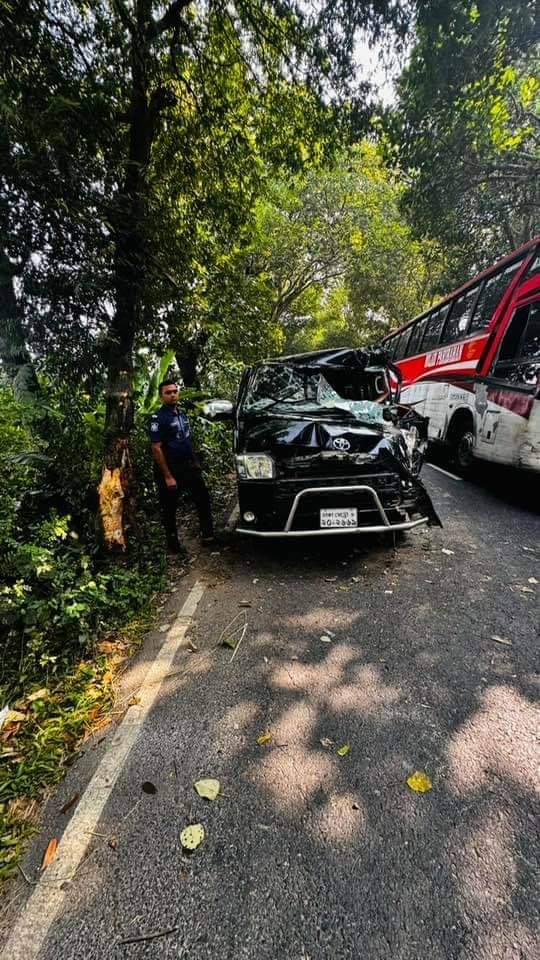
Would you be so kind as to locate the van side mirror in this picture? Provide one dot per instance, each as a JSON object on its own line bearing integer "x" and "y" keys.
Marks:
{"x": 217, "y": 410}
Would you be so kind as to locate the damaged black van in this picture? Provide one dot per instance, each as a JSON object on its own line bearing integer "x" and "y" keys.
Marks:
{"x": 323, "y": 446}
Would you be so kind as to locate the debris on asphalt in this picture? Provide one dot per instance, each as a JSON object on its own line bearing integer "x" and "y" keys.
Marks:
{"x": 149, "y": 936}
{"x": 325, "y": 638}
{"x": 50, "y": 853}
{"x": 208, "y": 789}
{"x": 526, "y": 589}
{"x": 344, "y": 750}
{"x": 112, "y": 842}
{"x": 532, "y": 580}
{"x": 148, "y": 787}
{"x": 239, "y": 641}
{"x": 326, "y": 742}
{"x": 504, "y": 640}
{"x": 227, "y": 637}
{"x": 264, "y": 739}
{"x": 67, "y": 806}
{"x": 449, "y": 553}
{"x": 419, "y": 782}
{"x": 244, "y": 603}
{"x": 330, "y": 579}
{"x": 192, "y": 646}
{"x": 192, "y": 836}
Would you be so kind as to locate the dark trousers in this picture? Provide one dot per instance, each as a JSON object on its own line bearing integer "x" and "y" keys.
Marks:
{"x": 188, "y": 477}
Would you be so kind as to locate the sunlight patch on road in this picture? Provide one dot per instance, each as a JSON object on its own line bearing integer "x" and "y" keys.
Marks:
{"x": 341, "y": 819}
{"x": 499, "y": 739}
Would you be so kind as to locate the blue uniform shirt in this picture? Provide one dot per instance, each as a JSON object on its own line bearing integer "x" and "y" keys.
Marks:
{"x": 170, "y": 426}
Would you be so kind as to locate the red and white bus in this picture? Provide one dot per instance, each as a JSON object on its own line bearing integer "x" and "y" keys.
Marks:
{"x": 471, "y": 364}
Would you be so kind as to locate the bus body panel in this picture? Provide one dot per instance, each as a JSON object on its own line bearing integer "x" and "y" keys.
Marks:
{"x": 455, "y": 383}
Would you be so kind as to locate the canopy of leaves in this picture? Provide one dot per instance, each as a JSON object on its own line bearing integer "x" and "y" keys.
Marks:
{"x": 467, "y": 127}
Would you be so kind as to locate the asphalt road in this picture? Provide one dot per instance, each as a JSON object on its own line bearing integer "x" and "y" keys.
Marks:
{"x": 310, "y": 855}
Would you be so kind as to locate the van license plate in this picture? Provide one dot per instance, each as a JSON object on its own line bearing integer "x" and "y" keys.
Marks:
{"x": 346, "y": 517}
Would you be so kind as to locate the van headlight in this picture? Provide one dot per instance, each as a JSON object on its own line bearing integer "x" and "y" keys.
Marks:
{"x": 255, "y": 466}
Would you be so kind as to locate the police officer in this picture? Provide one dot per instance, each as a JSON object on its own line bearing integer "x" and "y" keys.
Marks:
{"x": 176, "y": 467}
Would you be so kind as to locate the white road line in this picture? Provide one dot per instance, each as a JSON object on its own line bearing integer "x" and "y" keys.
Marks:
{"x": 46, "y": 901}
{"x": 446, "y": 472}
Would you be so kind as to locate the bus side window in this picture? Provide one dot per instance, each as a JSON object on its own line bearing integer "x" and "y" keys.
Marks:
{"x": 433, "y": 329}
{"x": 519, "y": 355}
{"x": 416, "y": 337}
{"x": 401, "y": 347}
{"x": 460, "y": 314}
{"x": 491, "y": 296}
{"x": 390, "y": 345}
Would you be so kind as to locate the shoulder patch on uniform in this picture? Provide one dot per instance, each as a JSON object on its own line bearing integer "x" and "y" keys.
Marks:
{"x": 154, "y": 425}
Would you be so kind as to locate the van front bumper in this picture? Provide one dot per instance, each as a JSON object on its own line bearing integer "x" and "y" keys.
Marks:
{"x": 384, "y": 525}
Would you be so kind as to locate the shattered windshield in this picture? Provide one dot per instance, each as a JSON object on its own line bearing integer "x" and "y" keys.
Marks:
{"x": 282, "y": 388}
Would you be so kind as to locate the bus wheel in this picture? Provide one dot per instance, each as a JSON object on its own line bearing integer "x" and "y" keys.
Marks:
{"x": 462, "y": 448}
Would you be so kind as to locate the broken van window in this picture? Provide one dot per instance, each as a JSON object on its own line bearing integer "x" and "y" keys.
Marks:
{"x": 287, "y": 388}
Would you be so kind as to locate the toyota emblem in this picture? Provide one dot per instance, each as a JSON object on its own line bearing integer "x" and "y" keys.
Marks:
{"x": 340, "y": 443}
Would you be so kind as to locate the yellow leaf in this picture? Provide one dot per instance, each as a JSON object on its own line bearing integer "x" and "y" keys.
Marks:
{"x": 15, "y": 716}
{"x": 419, "y": 782}
{"x": 50, "y": 853}
{"x": 38, "y": 695}
{"x": 208, "y": 789}
{"x": 264, "y": 738}
{"x": 344, "y": 750}
{"x": 192, "y": 836}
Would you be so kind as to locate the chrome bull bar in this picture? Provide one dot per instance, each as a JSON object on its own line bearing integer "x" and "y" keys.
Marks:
{"x": 384, "y": 527}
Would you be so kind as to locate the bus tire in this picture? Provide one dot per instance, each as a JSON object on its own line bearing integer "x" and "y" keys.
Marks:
{"x": 461, "y": 442}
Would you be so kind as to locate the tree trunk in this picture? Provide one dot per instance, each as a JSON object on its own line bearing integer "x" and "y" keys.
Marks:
{"x": 116, "y": 490}
{"x": 188, "y": 358}
{"x": 14, "y": 356}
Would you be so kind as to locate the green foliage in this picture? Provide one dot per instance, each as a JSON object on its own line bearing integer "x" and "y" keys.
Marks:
{"x": 467, "y": 128}
{"x": 56, "y": 594}
{"x": 332, "y": 259}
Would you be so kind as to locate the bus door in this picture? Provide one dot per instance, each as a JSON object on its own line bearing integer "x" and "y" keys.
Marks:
{"x": 508, "y": 399}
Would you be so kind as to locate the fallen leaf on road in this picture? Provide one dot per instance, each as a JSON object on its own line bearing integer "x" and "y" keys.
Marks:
{"x": 448, "y": 553}
{"x": 419, "y": 782}
{"x": 328, "y": 632}
{"x": 504, "y": 640}
{"x": 164, "y": 627}
{"x": 325, "y": 638}
{"x": 264, "y": 738}
{"x": 192, "y": 646}
{"x": 356, "y": 579}
{"x": 134, "y": 702}
{"x": 532, "y": 580}
{"x": 208, "y": 789}
{"x": 50, "y": 853}
{"x": 326, "y": 742}
{"x": 526, "y": 590}
{"x": 148, "y": 787}
{"x": 344, "y": 589}
{"x": 344, "y": 750}
{"x": 192, "y": 836}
